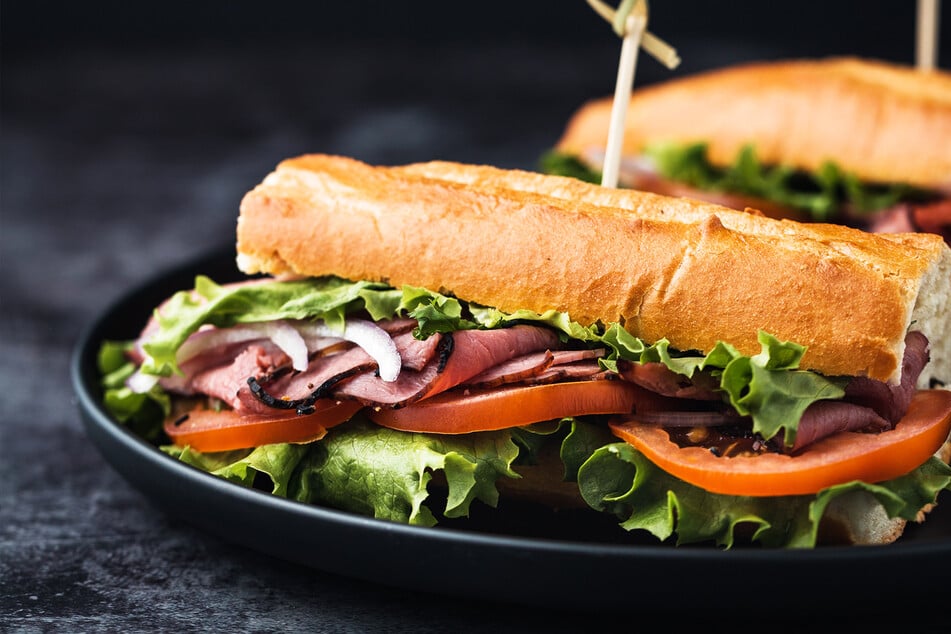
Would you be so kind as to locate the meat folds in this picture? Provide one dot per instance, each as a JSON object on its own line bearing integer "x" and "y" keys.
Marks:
{"x": 255, "y": 377}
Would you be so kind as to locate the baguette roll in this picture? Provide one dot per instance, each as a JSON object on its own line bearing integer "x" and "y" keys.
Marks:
{"x": 882, "y": 122}
{"x": 692, "y": 272}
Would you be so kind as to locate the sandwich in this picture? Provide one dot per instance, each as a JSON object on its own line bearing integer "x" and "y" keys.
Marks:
{"x": 852, "y": 141}
{"x": 414, "y": 342}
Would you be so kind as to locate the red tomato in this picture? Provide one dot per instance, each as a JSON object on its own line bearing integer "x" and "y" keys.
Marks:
{"x": 207, "y": 430}
{"x": 460, "y": 412}
{"x": 843, "y": 457}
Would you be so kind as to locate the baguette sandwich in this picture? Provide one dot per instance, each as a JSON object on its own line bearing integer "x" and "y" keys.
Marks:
{"x": 411, "y": 341}
{"x": 845, "y": 140}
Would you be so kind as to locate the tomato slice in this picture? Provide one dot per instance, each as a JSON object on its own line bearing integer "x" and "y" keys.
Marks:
{"x": 843, "y": 457}
{"x": 208, "y": 430}
{"x": 461, "y": 412}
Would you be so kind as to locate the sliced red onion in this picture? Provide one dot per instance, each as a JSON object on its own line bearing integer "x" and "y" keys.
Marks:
{"x": 282, "y": 333}
{"x": 632, "y": 165}
{"x": 373, "y": 339}
{"x": 318, "y": 343}
{"x": 288, "y": 339}
{"x": 296, "y": 340}
{"x": 140, "y": 383}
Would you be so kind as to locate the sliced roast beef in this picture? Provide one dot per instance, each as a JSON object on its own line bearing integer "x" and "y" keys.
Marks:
{"x": 325, "y": 376}
{"x": 574, "y": 365}
{"x": 397, "y": 325}
{"x": 565, "y": 357}
{"x": 300, "y": 390}
{"x": 475, "y": 351}
{"x": 540, "y": 367}
{"x": 443, "y": 361}
{"x": 935, "y": 218}
{"x": 461, "y": 356}
{"x": 410, "y": 386}
{"x": 868, "y": 405}
{"x": 215, "y": 360}
{"x": 897, "y": 219}
{"x": 416, "y": 354}
{"x": 225, "y": 381}
{"x": 892, "y": 401}
{"x": 931, "y": 217}
{"x": 658, "y": 378}
{"x": 513, "y": 371}
{"x": 589, "y": 370}
{"x": 824, "y": 418}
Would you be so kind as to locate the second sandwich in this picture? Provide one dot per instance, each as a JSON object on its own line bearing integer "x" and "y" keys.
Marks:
{"x": 847, "y": 140}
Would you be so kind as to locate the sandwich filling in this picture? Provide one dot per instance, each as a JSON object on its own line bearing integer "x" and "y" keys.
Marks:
{"x": 828, "y": 195}
{"x": 323, "y": 389}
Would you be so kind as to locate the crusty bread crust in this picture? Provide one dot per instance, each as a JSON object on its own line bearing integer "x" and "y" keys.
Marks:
{"x": 692, "y": 272}
{"x": 883, "y": 122}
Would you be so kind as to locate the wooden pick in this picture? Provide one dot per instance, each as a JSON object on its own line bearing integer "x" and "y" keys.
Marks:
{"x": 635, "y": 26}
{"x": 926, "y": 40}
{"x": 658, "y": 48}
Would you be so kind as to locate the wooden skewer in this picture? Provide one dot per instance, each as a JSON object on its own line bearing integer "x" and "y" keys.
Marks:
{"x": 661, "y": 50}
{"x": 636, "y": 25}
{"x": 624, "y": 11}
{"x": 926, "y": 52}
{"x": 658, "y": 48}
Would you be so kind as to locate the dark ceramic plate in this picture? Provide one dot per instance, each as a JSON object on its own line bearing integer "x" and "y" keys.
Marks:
{"x": 533, "y": 556}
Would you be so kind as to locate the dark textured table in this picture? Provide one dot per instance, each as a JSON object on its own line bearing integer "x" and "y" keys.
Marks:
{"x": 125, "y": 151}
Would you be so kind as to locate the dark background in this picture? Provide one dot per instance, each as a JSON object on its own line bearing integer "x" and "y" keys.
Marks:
{"x": 130, "y": 131}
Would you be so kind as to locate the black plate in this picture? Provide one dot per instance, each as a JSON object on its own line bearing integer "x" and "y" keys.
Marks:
{"x": 533, "y": 557}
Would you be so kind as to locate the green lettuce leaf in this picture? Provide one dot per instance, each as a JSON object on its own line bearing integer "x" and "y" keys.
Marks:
{"x": 370, "y": 470}
{"x": 561, "y": 164}
{"x": 277, "y": 462}
{"x": 823, "y": 194}
{"x": 618, "y": 479}
{"x": 582, "y": 441}
{"x": 328, "y": 298}
{"x": 768, "y": 387}
{"x": 383, "y": 473}
{"x": 577, "y": 439}
{"x": 437, "y": 313}
{"x": 144, "y": 412}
